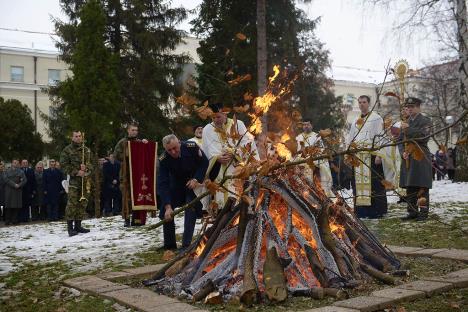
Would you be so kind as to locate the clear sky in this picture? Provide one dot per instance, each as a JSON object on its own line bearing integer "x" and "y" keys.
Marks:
{"x": 355, "y": 35}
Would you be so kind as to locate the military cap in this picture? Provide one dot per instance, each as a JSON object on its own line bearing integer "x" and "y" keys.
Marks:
{"x": 410, "y": 101}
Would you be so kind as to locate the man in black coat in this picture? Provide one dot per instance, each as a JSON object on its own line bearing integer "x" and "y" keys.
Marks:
{"x": 182, "y": 168}
{"x": 52, "y": 186}
{"x": 29, "y": 191}
{"x": 112, "y": 196}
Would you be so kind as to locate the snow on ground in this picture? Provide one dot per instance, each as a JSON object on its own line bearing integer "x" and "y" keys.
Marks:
{"x": 455, "y": 195}
{"x": 108, "y": 241}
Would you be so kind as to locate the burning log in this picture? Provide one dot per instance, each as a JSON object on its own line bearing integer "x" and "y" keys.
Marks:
{"x": 205, "y": 291}
{"x": 273, "y": 276}
{"x": 290, "y": 239}
{"x": 249, "y": 290}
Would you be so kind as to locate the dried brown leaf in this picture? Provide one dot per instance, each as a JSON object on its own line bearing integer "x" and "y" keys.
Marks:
{"x": 387, "y": 184}
{"x": 415, "y": 151}
{"x": 168, "y": 255}
{"x": 291, "y": 145}
{"x": 212, "y": 187}
{"x": 248, "y": 96}
{"x": 352, "y": 160}
{"x": 240, "y": 79}
{"x": 325, "y": 133}
{"x": 241, "y": 109}
{"x": 360, "y": 122}
{"x": 186, "y": 100}
{"x": 241, "y": 36}
{"x": 203, "y": 112}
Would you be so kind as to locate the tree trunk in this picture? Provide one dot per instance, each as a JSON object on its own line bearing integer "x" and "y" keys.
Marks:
{"x": 462, "y": 151}
{"x": 97, "y": 183}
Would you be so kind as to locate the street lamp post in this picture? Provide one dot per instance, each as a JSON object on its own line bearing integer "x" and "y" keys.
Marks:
{"x": 449, "y": 120}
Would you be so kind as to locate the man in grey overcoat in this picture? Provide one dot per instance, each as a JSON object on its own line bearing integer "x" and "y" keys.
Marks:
{"x": 416, "y": 167}
{"x": 15, "y": 179}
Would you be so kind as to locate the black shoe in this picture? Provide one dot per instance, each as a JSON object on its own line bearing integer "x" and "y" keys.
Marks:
{"x": 80, "y": 229}
{"x": 127, "y": 223}
{"x": 424, "y": 213}
{"x": 71, "y": 231}
{"x": 408, "y": 217}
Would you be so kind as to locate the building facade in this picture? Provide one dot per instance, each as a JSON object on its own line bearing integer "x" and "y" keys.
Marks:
{"x": 25, "y": 74}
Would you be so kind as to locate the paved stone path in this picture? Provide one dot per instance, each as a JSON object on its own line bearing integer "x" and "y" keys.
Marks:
{"x": 149, "y": 301}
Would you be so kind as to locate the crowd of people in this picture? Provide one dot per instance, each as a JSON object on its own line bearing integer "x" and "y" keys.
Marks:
{"x": 37, "y": 194}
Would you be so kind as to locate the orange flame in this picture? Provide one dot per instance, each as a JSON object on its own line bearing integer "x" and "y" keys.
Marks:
{"x": 283, "y": 151}
{"x": 285, "y": 137}
{"x": 220, "y": 254}
{"x": 236, "y": 221}
{"x": 337, "y": 229}
{"x": 200, "y": 247}
{"x": 304, "y": 229}
{"x": 276, "y": 69}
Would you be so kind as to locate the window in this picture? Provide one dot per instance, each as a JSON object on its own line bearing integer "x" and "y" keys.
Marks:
{"x": 17, "y": 73}
{"x": 54, "y": 76}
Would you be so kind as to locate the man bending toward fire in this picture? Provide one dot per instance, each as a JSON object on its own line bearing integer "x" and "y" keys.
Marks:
{"x": 182, "y": 168}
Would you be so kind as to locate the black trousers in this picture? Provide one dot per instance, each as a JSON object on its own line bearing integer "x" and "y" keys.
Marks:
{"x": 412, "y": 193}
{"x": 11, "y": 215}
{"x": 378, "y": 205}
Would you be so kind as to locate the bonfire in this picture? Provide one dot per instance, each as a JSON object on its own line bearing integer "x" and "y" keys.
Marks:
{"x": 282, "y": 236}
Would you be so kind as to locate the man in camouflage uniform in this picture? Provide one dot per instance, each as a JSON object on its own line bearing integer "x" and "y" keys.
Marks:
{"x": 121, "y": 154}
{"x": 72, "y": 165}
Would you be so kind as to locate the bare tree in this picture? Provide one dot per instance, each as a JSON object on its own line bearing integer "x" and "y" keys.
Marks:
{"x": 447, "y": 21}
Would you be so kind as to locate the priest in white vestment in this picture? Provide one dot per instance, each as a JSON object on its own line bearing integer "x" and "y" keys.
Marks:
{"x": 223, "y": 151}
{"x": 367, "y": 130}
{"x": 309, "y": 138}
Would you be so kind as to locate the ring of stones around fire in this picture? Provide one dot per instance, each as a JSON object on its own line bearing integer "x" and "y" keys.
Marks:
{"x": 147, "y": 300}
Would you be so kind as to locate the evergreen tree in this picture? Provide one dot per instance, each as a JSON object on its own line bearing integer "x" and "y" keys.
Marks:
{"x": 18, "y": 138}
{"x": 90, "y": 99}
{"x": 143, "y": 36}
{"x": 291, "y": 43}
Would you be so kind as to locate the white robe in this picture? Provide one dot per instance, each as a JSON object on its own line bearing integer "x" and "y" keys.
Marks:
{"x": 313, "y": 139}
{"x": 371, "y": 134}
{"x": 215, "y": 144}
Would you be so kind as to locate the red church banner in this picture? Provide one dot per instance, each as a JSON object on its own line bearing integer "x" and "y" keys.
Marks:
{"x": 142, "y": 160}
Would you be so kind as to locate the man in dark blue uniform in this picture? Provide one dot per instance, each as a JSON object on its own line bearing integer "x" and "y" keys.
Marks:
{"x": 110, "y": 187}
{"x": 52, "y": 187}
{"x": 182, "y": 168}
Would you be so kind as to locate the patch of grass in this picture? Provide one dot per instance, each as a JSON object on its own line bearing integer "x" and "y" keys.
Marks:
{"x": 151, "y": 256}
{"x": 433, "y": 233}
{"x": 454, "y": 300}
{"x": 38, "y": 288}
